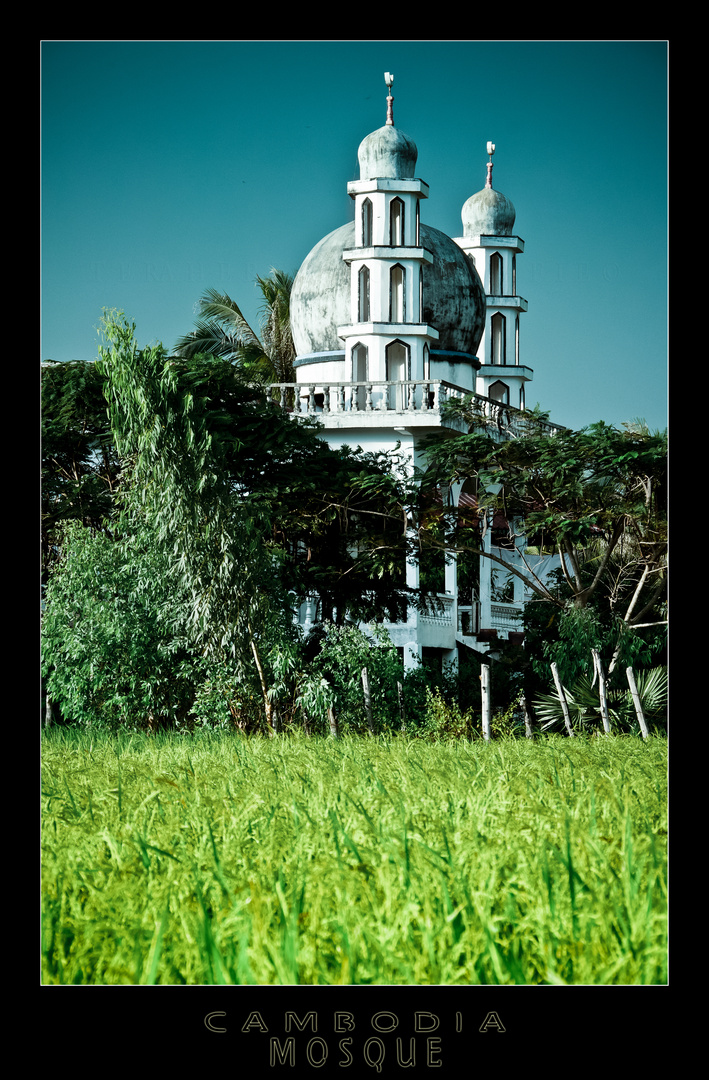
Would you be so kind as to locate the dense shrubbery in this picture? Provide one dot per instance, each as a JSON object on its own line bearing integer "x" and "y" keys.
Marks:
{"x": 179, "y": 545}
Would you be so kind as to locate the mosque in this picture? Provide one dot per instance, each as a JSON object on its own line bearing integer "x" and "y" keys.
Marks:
{"x": 390, "y": 319}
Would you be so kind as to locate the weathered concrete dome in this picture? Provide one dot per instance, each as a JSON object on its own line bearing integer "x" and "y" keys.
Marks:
{"x": 387, "y": 152}
{"x": 453, "y": 295}
{"x": 488, "y": 213}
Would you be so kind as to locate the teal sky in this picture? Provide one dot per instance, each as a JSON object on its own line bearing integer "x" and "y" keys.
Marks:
{"x": 172, "y": 166}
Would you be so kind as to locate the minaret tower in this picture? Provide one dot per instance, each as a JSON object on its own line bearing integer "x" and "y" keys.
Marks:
{"x": 387, "y": 339}
{"x": 488, "y": 221}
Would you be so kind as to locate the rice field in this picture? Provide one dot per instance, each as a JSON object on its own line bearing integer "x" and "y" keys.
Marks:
{"x": 218, "y": 859}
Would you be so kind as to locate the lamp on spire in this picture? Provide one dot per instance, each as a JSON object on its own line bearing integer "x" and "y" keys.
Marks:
{"x": 491, "y": 151}
{"x": 389, "y": 79}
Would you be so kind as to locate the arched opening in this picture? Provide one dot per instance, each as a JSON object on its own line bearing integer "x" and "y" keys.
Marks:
{"x": 496, "y": 274}
{"x": 360, "y": 374}
{"x": 367, "y": 223}
{"x": 397, "y": 371}
{"x": 397, "y": 302}
{"x": 363, "y": 294}
{"x": 396, "y": 223}
{"x": 497, "y": 345}
{"x": 500, "y": 392}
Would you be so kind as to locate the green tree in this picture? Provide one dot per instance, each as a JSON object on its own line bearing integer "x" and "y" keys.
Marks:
{"x": 80, "y": 467}
{"x": 596, "y": 498}
{"x": 223, "y": 331}
{"x": 115, "y": 650}
{"x": 249, "y": 511}
{"x": 215, "y": 535}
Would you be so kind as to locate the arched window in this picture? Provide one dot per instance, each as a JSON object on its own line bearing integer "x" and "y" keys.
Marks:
{"x": 360, "y": 374}
{"x": 514, "y": 275}
{"x": 397, "y": 371}
{"x": 496, "y": 274}
{"x": 363, "y": 295}
{"x": 497, "y": 325}
{"x": 396, "y": 223}
{"x": 397, "y": 284}
{"x": 517, "y": 340}
{"x": 522, "y": 404}
{"x": 366, "y": 223}
{"x": 499, "y": 391}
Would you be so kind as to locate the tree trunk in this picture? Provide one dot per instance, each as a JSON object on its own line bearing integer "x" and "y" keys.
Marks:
{"x": 367, "y": 700}
{"x": 267, "y": 704}
{"x": 601, "y": 691}
{"x": 562, "y": 698}
{"x": 485, "y": 691}
{"x": 527, "y": 720}
{"x": 636, "y": 701}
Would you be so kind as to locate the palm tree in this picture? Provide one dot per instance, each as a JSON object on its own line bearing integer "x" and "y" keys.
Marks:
{"x": 222, "y": 330}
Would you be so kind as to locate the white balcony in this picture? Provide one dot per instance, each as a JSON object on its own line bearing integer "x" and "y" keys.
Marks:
{"x": 413, "y": 403}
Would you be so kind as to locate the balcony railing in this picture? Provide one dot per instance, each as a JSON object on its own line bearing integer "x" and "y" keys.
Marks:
{"x": 409, "y": 396}
{"x": 420, "y": 395}
{"x": 506, "y": 617}
{"x": 440, "y": 614}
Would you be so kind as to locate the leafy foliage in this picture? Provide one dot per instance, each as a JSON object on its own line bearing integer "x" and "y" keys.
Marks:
{"x": 583, "y": 495}
{"x": 223, "y": 331}
{"x": 596, "y": 500}
{"x": 248, "y": 514}
{"x": 80, "y": 467}
{"x": 115, "y": 648}
{"x": 585, "y": 708}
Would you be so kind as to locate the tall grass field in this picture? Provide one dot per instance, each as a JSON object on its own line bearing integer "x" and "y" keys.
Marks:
{"x": 220, "y": 859}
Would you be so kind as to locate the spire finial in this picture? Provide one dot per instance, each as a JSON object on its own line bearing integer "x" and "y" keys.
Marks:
{"x": 389, "y": 79}
{"x": 491, "y": 151}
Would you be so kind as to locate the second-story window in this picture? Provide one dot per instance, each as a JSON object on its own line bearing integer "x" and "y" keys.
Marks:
{"x": 495, "y": 275}
{"x": 397, "y": 283}
{"x": 366, "y": 223}
{"x": 363, "y": 284}
{"x": 497, "y": 326}
{"x": 396, "y": 223}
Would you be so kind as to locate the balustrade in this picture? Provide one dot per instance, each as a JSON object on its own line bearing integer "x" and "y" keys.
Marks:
{"x": 411, "y": 395}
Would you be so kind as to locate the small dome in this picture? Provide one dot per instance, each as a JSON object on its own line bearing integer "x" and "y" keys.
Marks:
{"x": 453, "y": 295}
{"x": 387, "y": 152}
{"x": 488, "y": 213}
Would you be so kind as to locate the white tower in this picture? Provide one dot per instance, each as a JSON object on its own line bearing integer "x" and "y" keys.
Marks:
{"x": 387, "y": 314}
{"x": 387, "y": 338}
{"x": 488, "y": 221}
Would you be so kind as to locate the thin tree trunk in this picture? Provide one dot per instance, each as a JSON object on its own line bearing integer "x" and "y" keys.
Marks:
{"x": 562, "y": 698}
{"x": 485, "y": 691}
{"x": 334, "y": 726}
{"x": 636, "y": 701}
{"x": 601, "y": 691}
{"x": 367, "y": 700}
{"x": 626, "y": 618}
{"x": 267, "y": 704}
{"x": 402, "y": 713}
{"x": 527, "y": 720}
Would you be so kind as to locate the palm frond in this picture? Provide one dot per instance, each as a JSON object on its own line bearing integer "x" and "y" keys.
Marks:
{"x": 585, "y": 707}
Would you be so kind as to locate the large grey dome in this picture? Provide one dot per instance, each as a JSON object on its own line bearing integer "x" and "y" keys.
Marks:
{"x": 387, "y": 152}
{"x": 453, "y": 295}
{"x": 488, "y": 213}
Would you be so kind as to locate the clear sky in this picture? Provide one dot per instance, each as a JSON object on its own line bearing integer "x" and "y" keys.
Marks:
{"x": 169, "y": 167}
